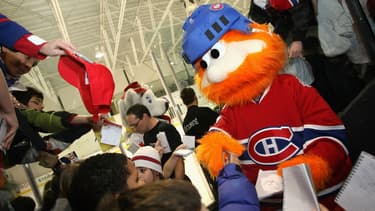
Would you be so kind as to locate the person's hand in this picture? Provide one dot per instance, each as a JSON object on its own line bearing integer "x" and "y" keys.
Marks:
{"x": 295, "y": 49}
{"x": 49, "y": 146}
{"x": 181, "y": 146}
{"x": 56, "y": 48}
{"x": 97, "y": 126}
{"x": 16, "y": 103}
{"x": 159, "y": 148}
{"x": 12, "y": 126}
{"x": 230, "y": 158}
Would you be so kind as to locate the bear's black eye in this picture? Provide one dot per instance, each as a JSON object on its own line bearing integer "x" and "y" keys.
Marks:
{"x": 203, "y": 64}
{"x": 215, "y": 53}
{"x": 148, "y": 99}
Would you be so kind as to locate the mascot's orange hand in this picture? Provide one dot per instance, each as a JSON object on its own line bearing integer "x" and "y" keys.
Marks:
{"x": 211, "y": 149}
{"x": 320, "y": 170}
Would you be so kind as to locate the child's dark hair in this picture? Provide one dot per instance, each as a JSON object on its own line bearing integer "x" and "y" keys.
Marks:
{"x": 168, "y": 195}
{"x": 95, "y": 177}
{"x": 24, "y": 96}
{"x": 51, "y": 193}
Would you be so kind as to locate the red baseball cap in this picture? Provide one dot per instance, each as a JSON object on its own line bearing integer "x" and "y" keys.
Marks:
{"x": 94, "y": 81}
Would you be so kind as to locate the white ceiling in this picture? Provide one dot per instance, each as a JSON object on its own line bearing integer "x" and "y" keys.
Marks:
{"x": 125, "y": 30}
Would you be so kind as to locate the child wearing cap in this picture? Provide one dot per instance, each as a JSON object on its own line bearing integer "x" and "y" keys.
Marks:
{"x": 147, "y": 160}
{"x": 31, "y": 101}
{"x": 16, "y": 37}
{"x": 26, "y": 140}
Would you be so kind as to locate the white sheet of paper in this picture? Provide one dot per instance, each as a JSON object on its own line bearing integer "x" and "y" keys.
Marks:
{"x": 299, "y": 192}
{"x": 164, "y": 142}
{"x": 268, "y": 184}
{"x": 183, "y": 152}
{"x": 358, "y": 191}
{"x": 111, "y": 134}
{"x": 133, "y": 147}
{"x": 189, "y": 141}
{"x": 136, "y": 138}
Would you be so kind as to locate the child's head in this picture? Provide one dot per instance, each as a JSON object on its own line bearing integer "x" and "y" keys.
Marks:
{"x": 16, "y": 63}
{"x": 23, "y": 203}
{"x": 147, "y": 161}
{"x": 107, "y": 173}
{"x": 162, "y": 195}
{"x": 66, "y": 178}
{"x": 50, "y": 193}
{"x": 32, "y": 98}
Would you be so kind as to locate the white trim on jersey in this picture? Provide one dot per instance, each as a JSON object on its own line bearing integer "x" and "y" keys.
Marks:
{"x": 325, "y": 127}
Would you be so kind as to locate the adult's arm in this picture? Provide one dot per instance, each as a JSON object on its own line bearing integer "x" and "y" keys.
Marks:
{"x": 54, "y": 121}
{"x": 302, "y": 16}
{"x": 16, "y": 37}
{"x": 175, "y": 163}
{"x": 236, "y": 192}
{"x": 7, "y": 112}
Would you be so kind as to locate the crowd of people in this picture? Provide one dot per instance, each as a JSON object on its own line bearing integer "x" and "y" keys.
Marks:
{"x": 154, "y": 177}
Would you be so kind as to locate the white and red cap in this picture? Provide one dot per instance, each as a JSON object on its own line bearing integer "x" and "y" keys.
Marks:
{"x": 147, "y": 157}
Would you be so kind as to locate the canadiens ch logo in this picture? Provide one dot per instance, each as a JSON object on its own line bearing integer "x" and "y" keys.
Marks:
{"x": 271, "y": 146}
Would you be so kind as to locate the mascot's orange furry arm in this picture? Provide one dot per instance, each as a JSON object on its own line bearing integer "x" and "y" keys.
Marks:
{"x": 275, "y": 119}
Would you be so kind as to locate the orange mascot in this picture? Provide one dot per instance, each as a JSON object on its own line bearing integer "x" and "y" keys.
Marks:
{"x": 270, "y": 120}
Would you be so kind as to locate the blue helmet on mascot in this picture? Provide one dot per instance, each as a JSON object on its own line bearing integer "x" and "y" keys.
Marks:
{"x": 206, "y": 25}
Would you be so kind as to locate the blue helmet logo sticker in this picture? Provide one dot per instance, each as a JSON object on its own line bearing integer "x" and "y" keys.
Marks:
{"x": 217, "y": 6}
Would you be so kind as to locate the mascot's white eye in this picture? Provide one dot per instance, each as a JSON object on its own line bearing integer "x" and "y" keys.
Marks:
{"x": 215, "y": 52}
{"x": 205, "y": 60}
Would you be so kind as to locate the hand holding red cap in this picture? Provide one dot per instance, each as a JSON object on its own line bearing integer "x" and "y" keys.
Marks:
{"x": 94, "y": 81}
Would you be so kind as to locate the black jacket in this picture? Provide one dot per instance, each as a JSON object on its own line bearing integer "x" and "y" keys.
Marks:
{"x": 198, "y": 120}
{"x": 291, "y": 25}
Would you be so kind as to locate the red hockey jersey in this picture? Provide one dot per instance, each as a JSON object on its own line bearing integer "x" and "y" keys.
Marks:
{"x": 281, "y": 125}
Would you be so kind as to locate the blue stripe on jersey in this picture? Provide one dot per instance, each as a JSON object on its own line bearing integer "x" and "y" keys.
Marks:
{"x": 340, "y": 135}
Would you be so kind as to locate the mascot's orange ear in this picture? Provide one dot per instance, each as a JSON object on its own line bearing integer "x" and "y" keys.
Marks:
{"x": 210, "y": 152}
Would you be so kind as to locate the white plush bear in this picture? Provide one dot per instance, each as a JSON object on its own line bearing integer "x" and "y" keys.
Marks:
{"x": 135, "y": 93}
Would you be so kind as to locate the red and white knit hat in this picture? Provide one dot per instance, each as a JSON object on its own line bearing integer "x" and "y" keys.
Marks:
{"x": 147, "y": 157}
